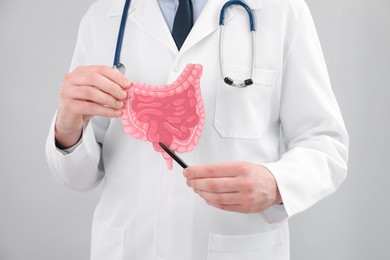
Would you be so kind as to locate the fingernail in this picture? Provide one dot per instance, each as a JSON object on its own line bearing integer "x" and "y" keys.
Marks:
{"x": 127, "y": 83}
{"x": 123, "y": 94}
{"x": 185, "y": 173}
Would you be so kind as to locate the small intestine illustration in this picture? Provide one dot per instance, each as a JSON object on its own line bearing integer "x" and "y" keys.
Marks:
{"x": 172, "y": 114}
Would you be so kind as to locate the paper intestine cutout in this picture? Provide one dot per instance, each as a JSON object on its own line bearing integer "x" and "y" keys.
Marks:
{"x": 172, "y": 114}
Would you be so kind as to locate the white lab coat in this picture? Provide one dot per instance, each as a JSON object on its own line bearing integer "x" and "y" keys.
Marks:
{"x": 288, "y": 120}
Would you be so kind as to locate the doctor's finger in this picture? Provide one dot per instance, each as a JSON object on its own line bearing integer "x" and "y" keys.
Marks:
{"x": 108, "y": 72}
{"x": 87, "y": 108}
{"x": 95, "y": 95}
{"x": 226, "y": 169}
{"x": 226, "y": 198}
{"x": 215, "y": 185}
{"x": 232, "y": 207}
{"x": 95, "y": 80}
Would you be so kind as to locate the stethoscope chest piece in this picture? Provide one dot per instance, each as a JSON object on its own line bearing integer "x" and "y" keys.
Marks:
{"x": 229, "y": 81}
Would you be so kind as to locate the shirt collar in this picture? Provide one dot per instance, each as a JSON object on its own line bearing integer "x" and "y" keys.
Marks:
{"x": 117, "y": 6}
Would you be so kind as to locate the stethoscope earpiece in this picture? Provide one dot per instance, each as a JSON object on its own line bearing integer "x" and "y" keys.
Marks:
{"x": 231, "y": 82}
{"x": 228, "y": 81}
{"x": 248, "y": 82}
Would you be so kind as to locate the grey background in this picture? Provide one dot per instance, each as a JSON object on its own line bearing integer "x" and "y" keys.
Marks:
{"x": 40, "y": 219}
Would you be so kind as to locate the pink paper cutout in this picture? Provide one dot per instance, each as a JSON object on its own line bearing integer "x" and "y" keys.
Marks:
{"x": 172, "y": 114}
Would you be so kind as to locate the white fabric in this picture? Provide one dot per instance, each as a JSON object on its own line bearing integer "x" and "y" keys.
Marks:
{"x": 147, "y": 212}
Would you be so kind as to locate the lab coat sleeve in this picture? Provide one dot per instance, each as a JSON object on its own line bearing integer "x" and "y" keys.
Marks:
{"x": 316, "y": 141}
{"x": 81, "y": 169}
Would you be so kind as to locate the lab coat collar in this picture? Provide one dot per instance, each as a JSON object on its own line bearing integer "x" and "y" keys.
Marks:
{"x": 117, "y": 5}
{"x": 207, "y": 22}
{"x": 147, "y": 15}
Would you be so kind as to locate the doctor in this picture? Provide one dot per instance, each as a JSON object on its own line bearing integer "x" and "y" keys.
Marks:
{"x": 267, "y": 151}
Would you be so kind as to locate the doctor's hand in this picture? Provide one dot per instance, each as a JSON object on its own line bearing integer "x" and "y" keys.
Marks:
{"x": 234, "y": 186}
{"x": 86, "y": 92}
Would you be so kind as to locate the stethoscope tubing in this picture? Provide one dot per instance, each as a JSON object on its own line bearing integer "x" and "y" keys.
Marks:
{"x": 120, "y": 67}
{"x": 119, "y": 41}
{"x": 229, "y": 80}
{"x": 244, "y": 5}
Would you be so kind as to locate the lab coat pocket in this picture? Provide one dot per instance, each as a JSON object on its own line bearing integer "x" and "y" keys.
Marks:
{"x": 243, "y": 112}
{"x": 249, "y": 247}
{"x": 107, "y": 242}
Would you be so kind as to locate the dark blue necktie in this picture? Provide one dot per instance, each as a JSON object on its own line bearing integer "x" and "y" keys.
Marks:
{"x": 184, "y": 19}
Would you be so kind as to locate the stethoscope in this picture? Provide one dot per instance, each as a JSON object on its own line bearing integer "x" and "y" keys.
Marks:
{"x": 232, "y": 82}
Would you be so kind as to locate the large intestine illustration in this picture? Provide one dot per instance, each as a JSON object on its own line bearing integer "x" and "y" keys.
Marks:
{"x": 172, "y": 114}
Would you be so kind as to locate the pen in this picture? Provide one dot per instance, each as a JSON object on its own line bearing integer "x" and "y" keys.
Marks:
{"x": 173, "y": 155}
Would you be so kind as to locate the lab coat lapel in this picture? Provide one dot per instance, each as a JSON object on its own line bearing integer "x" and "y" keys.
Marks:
{"x": 208, "y": 20}
{"x": 148, "y": 16}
